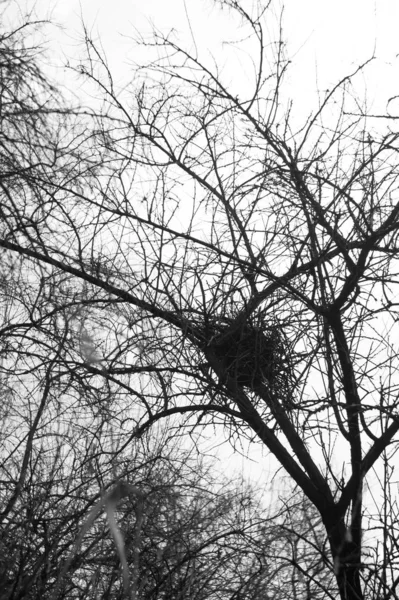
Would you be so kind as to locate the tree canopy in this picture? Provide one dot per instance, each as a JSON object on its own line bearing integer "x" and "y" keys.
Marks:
{"x": 180, "y": 251}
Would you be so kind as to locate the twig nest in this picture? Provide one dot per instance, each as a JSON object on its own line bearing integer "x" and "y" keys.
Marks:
{"x": 251, "y": 354}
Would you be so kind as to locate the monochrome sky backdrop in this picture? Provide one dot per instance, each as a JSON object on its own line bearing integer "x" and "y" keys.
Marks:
{"x": 325, "y": 42}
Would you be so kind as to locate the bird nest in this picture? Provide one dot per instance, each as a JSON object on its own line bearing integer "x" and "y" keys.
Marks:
{"x": 252, "y": 353}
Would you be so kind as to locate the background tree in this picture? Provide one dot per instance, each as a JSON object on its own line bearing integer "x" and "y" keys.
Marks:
{"x": 190, "y": 248}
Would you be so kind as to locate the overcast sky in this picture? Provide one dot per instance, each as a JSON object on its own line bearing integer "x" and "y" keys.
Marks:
{"x": 326, "y": 40}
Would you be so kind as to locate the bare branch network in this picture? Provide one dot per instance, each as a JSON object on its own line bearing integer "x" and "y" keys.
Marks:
{"x": 184, "y": 252}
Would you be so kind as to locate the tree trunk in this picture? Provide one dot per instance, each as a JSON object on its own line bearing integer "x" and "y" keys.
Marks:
{"x": 346, "y": 557}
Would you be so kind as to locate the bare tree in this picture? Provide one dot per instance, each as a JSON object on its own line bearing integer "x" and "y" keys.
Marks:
{"x": 86, "y": 509}
{"x": 185, "y": 250}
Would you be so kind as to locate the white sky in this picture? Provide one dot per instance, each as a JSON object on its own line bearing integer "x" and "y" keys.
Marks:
{"x": 326, "y": 41}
